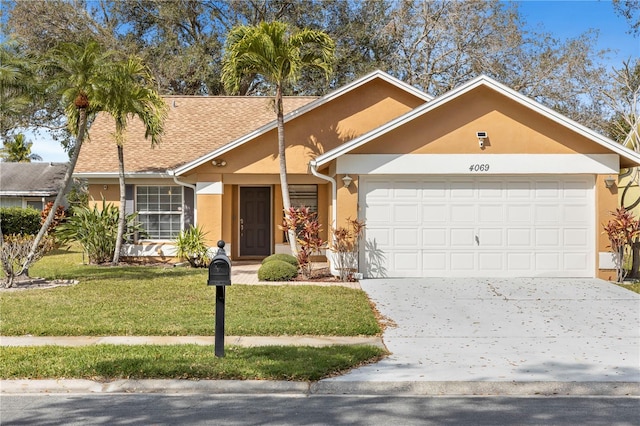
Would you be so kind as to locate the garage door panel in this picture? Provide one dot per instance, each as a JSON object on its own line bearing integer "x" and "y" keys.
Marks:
{"x": 519, "y": 237}
{"x": 406, "y": 238}
{"x": 547, "y": 237}
{"x": 461, "y": 237}
{"x": 406, "y": 213}
{"x": 483, "y": 226}
{"x": 462, "y": 213}
{"x": 436, "y": 213}
{"x": 434, "y": 237}
{"x": 521, "y": 262}
{"x": 491, "y": 238}
{"x": 490, "y": 261}
{"x": 462, "y": 261}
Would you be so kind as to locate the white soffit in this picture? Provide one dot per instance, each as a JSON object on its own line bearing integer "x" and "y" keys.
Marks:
{"x": 472, "y": 164}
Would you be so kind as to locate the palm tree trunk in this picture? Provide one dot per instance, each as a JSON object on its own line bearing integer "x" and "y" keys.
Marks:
{"x": 123, "y": 199}
{"x": 284, "y": 184}
{"x": 65, "y": 186}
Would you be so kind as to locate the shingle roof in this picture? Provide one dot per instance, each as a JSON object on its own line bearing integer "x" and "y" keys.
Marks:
{"x": 36, "y": 179}
{"x": 195, "y": 126}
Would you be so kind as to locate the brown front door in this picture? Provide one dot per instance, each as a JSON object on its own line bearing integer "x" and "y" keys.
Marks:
{"x": 255, "y": 221}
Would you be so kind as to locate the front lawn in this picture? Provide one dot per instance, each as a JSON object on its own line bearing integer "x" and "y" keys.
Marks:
{"x": 145, "y": 300}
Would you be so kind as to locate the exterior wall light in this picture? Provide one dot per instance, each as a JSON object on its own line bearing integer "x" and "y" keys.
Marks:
{"x": 609, "y": 182}
{"x": 219, "y": 163}
{"x": 347, "y": 180}
{"x": 481, "y": 137}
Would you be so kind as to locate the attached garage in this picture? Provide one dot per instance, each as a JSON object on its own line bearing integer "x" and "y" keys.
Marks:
{"x": 503, "y": 226}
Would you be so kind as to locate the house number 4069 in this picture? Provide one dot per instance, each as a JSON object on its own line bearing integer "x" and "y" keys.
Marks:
{"x": 479, "y": 168}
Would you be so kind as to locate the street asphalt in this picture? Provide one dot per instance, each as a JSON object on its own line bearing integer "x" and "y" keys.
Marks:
{"x": 446, "y": 337}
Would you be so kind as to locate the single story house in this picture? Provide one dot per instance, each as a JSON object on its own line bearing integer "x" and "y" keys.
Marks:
{"x": 30, "y": 184}
{"x": 481, "y": 181}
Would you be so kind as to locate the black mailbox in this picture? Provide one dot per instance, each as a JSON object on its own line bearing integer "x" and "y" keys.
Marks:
{"x": 220, "y": 267}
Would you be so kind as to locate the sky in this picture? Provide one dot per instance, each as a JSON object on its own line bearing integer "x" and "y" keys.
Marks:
{"x": 563, "y": 19}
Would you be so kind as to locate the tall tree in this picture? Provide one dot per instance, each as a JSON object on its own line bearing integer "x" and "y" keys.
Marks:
{"x": 132, "y": 95}
{"x": 278, "y": 54}
{"x": 79, "y": 74}
{"x": 18, "y": 150}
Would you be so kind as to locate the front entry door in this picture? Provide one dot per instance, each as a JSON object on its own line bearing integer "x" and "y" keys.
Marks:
{"x": 255, "y": 221}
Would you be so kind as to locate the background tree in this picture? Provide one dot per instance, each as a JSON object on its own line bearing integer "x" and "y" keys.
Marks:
{"x": 18, "y": 150}
{"x": 278, "y": 54}
{"x": 131, "y": 94}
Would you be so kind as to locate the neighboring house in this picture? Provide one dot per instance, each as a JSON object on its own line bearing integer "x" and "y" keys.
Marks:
{"x": 480, "y": 181}
{"x": 30, "y": 184}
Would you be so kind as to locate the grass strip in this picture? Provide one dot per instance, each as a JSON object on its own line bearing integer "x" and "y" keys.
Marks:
{"x": 113, "y": 362}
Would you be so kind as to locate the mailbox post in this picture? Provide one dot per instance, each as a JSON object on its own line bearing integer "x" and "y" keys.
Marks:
{"x": 220, "y": 276}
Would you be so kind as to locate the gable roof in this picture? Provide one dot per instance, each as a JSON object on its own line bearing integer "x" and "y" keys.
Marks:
{"x": 632, "y": 157}
{"x": 306, "y": 108}
{"x": 31, "y": 179}
{"x": 194, "y": 126}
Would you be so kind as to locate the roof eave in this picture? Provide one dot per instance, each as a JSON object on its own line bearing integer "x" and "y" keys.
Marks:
{"x": 302, "y": 110}
{"x": 478, "y": 81}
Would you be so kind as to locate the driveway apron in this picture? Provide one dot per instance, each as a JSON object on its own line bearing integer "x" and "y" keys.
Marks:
{"x": 523, "y": 330}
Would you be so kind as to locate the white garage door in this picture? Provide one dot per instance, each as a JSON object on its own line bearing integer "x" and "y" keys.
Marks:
{"x": 478, "y": 226}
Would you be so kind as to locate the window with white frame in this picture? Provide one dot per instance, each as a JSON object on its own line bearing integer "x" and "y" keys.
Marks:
{"x": 160, "y": 210}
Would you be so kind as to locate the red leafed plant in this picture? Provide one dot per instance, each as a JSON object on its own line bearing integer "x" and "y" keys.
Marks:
{"x": 304, "y": 223}
{"x": 623, "y": 230}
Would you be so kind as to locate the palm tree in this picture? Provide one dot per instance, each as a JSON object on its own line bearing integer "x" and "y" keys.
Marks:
{"x": 17, "y": 87}
{"x": 79, "y": 73}
{"x": 18, "y": 150}
{"x": 132, "y": 95}
{"x": 278, "y": 54}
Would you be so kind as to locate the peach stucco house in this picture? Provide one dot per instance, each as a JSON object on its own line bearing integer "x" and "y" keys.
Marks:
{"x": 480, "y": 181}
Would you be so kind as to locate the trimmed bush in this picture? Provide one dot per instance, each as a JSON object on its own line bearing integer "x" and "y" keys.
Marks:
{"x": 277, "y": 270}
{"x": 283, "y": 258}
{"x": 19, "y": 221}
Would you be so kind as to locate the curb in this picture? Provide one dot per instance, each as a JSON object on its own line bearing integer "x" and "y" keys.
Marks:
{"x": 323, "y": 387}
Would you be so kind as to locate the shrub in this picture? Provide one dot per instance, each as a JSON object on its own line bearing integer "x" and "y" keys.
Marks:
{"x": 19, "y": 221}
{"x": 58, "y": 217}
{"x": 96, "y": 230}
{"x": 346, "y": 242}
{"x": 304, "y": 224}
{"x": 277, "y": 270}
{"x": 622, "y": 230}
{"x": 190, "y": 245}
{"x": 14, "y": 250}
{"x": 290, "y": 259}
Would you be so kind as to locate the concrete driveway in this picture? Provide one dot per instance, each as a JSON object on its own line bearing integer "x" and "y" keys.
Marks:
{"x": 496, "y": 330}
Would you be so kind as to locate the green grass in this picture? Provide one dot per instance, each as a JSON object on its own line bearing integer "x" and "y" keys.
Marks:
{"x": 142, "y": 300}
{"x": 631, "y": 286}
{"x": 112, "y": 362}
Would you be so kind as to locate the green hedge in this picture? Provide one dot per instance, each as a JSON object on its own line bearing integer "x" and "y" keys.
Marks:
{"x": 282, "y": 257}
{"x": 277, "y": 270}
{"x": 16, "y": 220}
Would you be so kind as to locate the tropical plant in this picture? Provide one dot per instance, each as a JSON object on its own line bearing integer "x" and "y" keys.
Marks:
{"x": 17, "y": 87}
{"x": 345, "y": 245}
{"x": 190, "y": 245}
{"x": 304, "y": 224}
{"x": 279, "y": 54}
{"x": 622, "y": 230}
{"x": 18, "y": 150}
{"x": 79, "y": 74}
{"x": 132, "y": 95}
{"x": 96, "y": 230}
